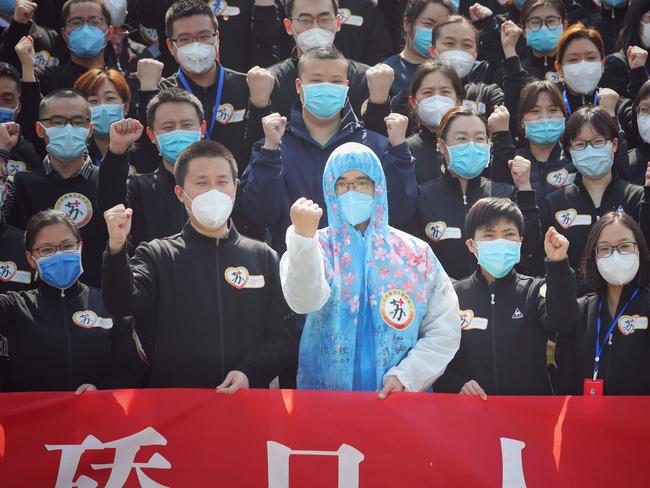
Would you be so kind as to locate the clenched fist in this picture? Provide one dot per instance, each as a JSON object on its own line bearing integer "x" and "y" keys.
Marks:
{"x": 636, "y": 57}
{"x": 380, "y": 79}
{"x": 124, "y": 133}
{"x": 273, "y": 126}
{"x": 555, "y": 245}
{"x": 118, "y": 222}
{"x": 479, "y": 12}
{"x": 499, "y": 120}
{"x": 149, "y": 72}
{"x": 396, "y": 124}
{"x": 305, "y": 217}
{"x": 9, "y": 135}
{"x": 260, "y": 84}
{"x": 607, "y": 99}
{"x": 520, "y": 171}
{"x": 510, "y": 34}
{"x": 24, "y": 11}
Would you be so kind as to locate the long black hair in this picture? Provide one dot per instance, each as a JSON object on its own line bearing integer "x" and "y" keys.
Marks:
{"x": 630, "y": 33}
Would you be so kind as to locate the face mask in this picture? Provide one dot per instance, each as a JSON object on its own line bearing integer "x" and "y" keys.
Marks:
{"x": 104, "y": 115}
{"x": 643, "y": 122}
{"x": 544, "y": 131}
{"x": 543, "y": 40}
{"x": 583, "y": 77}
{"x": 315, "y": 37}
{"x": 87, "y": 41}
{"x": 431, "y": 110}
{"x": 422, "y": 41}
{"x": 499, "y": 256}
{"x": 618, "y": 269}
{"x": 67, "y": 142}
{"x": 455, "y": 4}
{"x": 593, "y": 162}
{"x": 211, "y": 208}
{"x": 645, "y": 35}
{"x": 468, "y": 160}
{"x": 7, "y": 114}
{"x": 519, "y": 3}
{"x": 8, "y": 6}
{"x": 173, "y": 143}
{"x": 356, "y": 207}
{"x": 324, "y": 100}
{"x": 61, "y": 269}
{"x": 461, "y": 61}
{"x": 613, "y": 3}
{"x": 118, "y": 11}
{"x": 197, "y": 58}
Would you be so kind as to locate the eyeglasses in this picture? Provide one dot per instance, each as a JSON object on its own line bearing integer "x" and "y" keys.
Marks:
{"x": 50, "y": 249}
{"x": 552, "y": 22}
{"x": 307, "y": 20}
{"x": 595, "y": 143}
{"x": 205, "y": 37}
{"x": 642, "y": 110}
{"x": 60, "y": 121}
{"x": 623, "y": 248}
{"x": 361, "y": 185}
{"x": 77, "y": 22}
{"x": 461, "y": 139}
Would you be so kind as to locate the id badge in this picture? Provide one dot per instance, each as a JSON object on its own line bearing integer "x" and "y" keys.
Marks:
{"x": 593, "y": 387}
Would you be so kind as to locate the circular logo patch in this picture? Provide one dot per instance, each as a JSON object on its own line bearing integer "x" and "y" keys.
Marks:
{"x": 397, "y": 309}
{"x": 435, "y": 230}
{"x": 85, "y": 318}
{"x": 77, "y": 207}
{"x": 8, "y": 270}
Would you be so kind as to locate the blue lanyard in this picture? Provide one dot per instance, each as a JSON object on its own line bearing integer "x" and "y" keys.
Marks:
{"x": 217, "y": 102}
{"x": 599, "y": 347}
{"x": 568, "y": 106}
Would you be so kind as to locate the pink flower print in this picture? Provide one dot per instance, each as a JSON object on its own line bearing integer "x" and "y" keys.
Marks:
{"x": 380, "y": 254}
{"x": 398, "y": 273}
{"x": 379, "y": 190}
{"x": 408, "y": 286}
{"x": 346, "y": 238}
{"x": 345, "y": 294}
{"x": 384, "y": 272}
{"x": 336, "y": 231}
{"x": 420, "y": 296}
{"x": 377, "y": 241}
{"x": 355, "y": 321}
{"x": 337, "y": 248}
{"x": 346, "y": 259}
{"x": 394, "y": 259}
{"x": 354, "y": 304}
{"x": 348, "y": 279}
{"x": 373, "y": 300}
{"x": 391, "y": 286}
{"x": 330, "y": 178}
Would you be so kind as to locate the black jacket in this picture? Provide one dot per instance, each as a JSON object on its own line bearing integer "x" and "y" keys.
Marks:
{"x": 506, "y": 325}
{"x": 15, "y": 272}
{"x": 22, "y": 157}
{"x": 204, "y": 324}
{"x": 424, "y": 149}
{"x": 638, "y": 161}
{"x": 619, "y": 77}
{"x": 624, "y": 364}
{"x": 49, "y": 47}
{"x": 59, "y": 342}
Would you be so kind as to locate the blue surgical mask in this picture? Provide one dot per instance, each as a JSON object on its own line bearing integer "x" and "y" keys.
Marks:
{"x": 422, "y": 40}
{"x": 8, "y": 6}
{"x": 104, "y": 115}
{"x": 544, "y": 131}
{"x": 593, "y": 162}
{"x": 7, "y": 114}
{"x": 469, "y": 160}
{"x": 61, "y": 269}
{"x": 499, "y": 256}
{"x": 519, "y": 3}
{"x": 87, "y": 41}
{"x": 67, "y": 142}
{"x": 324, "y": 100}
{"x": 613, "y": 3}
{"x": 171, "y": 144}
{"x": 543, "y": 40}
{"x": 356, "y": 207}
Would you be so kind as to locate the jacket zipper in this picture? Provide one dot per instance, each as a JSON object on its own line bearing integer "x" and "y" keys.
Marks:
{"x": 66, "y": 326}
{"x": 222, "y": 349}
{"x": 491, "y": 287}
{"x": 609, "y": 360}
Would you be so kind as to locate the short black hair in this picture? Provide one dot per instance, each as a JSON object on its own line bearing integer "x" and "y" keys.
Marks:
{"x": 589, "y": 268}
{"x": 173, "y": 95}
{"x": 10, "y": 72}
{"x": 323, "y": 52}
{"x": 187, "y": 8}
{"x": 65, "y": 10}
{"x": 45, "y": 218}
{"x": 454, "y": 19}
{"x": 202, "y": 149}
{"x": 488, "y": 211}
{"x": 62, "y": 94}
{"x": 288, "y": 7}
{"x": 600, "y": 121}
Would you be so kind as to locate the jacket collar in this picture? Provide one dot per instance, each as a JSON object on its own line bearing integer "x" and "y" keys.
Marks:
{"x": 164, "y": 175}
{"x": 50, "y": 291}
{"x": 349, "y": 124}
{"x": 191, "y": 235}
{"x": 85, "y": 171}
{"x": 472, "y": 185}
{"x": 498, "y": 283}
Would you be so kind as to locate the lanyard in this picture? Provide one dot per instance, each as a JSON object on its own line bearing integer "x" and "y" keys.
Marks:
{"x": 568, "y": 106}
{"x": 599, "y": 347}
{"x": 217, "y": 102}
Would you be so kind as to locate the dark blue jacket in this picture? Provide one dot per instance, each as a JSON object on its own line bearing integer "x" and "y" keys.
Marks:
{"x": 274, "y": 180}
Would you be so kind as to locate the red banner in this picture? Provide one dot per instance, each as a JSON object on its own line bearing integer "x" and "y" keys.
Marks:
{"x": 293, "y": 439}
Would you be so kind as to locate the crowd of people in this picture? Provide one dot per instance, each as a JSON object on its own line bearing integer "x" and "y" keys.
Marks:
{"x": 366, "y": 195}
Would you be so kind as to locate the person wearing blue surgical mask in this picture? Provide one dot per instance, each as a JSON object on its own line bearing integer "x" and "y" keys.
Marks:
{"x": 544, "y": 22}
{"x": 61, "y": 336}
{"x": 420, "y": 17}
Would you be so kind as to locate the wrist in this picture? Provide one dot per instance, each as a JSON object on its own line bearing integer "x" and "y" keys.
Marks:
{"x": 378, "y": 98}
{"x": 148, "y": 85}
{"x": 309, "y": 234}
{"x": 260, "y": 102}
{"x": 397, "y": 142}
{"x": 117, "y": 150}
{"x": 115, "y": 247}
{"x": 524, "y": 187}
{"x": 509, "y": 52}
{"x": 271, "y": 146}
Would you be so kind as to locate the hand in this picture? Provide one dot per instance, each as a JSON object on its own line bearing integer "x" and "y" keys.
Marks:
{"x": 520, "y": 171}
{"x": 24, "y": 11}
{"x": 25, "y": 52}
{"x": 380, "y": 78}
{"x": 149, "y": 72}
{"x": 555, "y": 245}
{"x": 479, "y": 12}
{"x": 273, "y": 126}
{"x": 607, "y": 99}
{"x": 647, "y": 174}
{"x": 396, "y": 124}
{"x": 510, "y": 34}
{"x": 305, "y": 217}
{"x": 124, "y": 133}
{"x": 235, "y": 381}
{"x": 264, "y": 3}
{"x": 636, "y": 57}
{"x": 499, "y": 120}
{"x": 118, "y": 221}
{"x": 391, "y": 384}
{"x": 473, "y": 388}
{"x": 9, "y": 134}
{"x": 84, "y": 388}
{"x": 260, "y": 84}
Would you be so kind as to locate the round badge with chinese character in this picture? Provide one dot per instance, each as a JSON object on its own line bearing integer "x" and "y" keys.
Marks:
{"x": 85, "y": 318}
{"x": 397, "y": 309}
{"x": 77, "y": 207}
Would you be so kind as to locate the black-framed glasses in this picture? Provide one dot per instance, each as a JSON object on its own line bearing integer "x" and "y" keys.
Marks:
{"x": 47, "y": 250}
{"x": 77, "y": 22}
{"x": 306, "y": 20}
{"x": 205, "y": 37}
{"x": 60, "y": 121}
{"x": 361, "y": 185}
{"x": 596, "y": 143}
{"x": 536, "y": 23}
{"x": 605, "y": 251}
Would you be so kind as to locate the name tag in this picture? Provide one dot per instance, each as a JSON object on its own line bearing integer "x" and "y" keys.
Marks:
{"x": 438, "y": 231}
{"x": 560, "y": 178}
{"x": 228, "y": 115}
{"x": 469, "y": 321}
{"x": 570, "y": 218}
{"x": 627, "y": 324}
{"x": 476, "y": 106}
{"x": 348, "y": 19}
{"x": 239, "y": 277}
{"x": 553, "y": 76}
{"x": 9, "y": 272}
{"x": 89, "y": 320}
{"x": 221, "y": 8}
{"x": 14, "y": 167}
